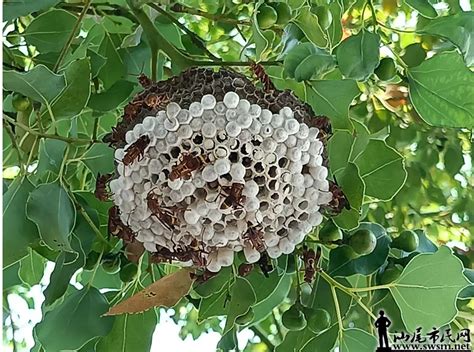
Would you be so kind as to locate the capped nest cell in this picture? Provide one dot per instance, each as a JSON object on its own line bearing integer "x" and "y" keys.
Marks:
{"x": 208, "y": 165}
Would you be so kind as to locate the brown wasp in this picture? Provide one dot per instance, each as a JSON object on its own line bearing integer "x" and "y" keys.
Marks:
{"x": 339, "y": 200}
{"x": 144, "y": 81}
{"x": 206, "y": 275}
{"x": 166, "y": 215}
{"x": 310, "y": 259}
{"x": 162, "y": 255}
{"x": 131, "y": 111}
{"x": 254, "y": 235}
{"x": 192, "y": 252}
{"x": 265, "y": 263}
{"x": 101, "y": 192}
{"x": 188, "y": 163}
{"x": 245, "y": 269}
{"x": 136, "y": 150}
{"x": 154, "y": 101}
{"x": 259, "y": 71}
{"x": 117, "y": 228}
{"x": 234, "y": 197}
{"x": 117, "y": 135}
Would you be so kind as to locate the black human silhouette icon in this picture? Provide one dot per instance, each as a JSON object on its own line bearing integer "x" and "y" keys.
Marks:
{"x": 382, "y": 323}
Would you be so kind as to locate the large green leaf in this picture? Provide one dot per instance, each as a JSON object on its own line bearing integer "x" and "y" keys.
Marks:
{"x": 73, "y": 98}
{"x": 130, "y": 333}
{"x": 427, "y": 289}
{"x": 341, "y": 265}
{"x": 241, "y": 299}
{"x": 112, "y": 98}
{"x": 356, "y": 340}
{"x": 332, "y": 98}
{"x": 261, "y": 42}
{"x": 213, "y": 305}
{"x": 354, "y": 188}
{"x": 17, "y": 8}
{"x": 50, "y": 31}
{"x": 442, "y": 91}
{"x": 358, "y": 55}
{"x": 50, "y": 207}
{"x": 424, "y": 7}
{"x": 323, "y": 342}
{"x": 457, "y": 28}
{"x": 214, "y": 284}
{"x": 309, "y": 25}
{"x": 264, "y": 307}
{"x": 382, "y": 169}
{"x": 31, "y": 268}
{"x": 39, "y": 84}
{"x": 18, "y": 231}
{"x": 99, "y": 159}
{"x": 113, "y": 70}
{"x": 307, "y": 61}
{"x": 51, "y": 154}
{"x": 74, "y": 322}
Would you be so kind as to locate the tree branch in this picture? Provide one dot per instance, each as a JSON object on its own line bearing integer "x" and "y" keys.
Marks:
{"x": 218, "y": 18}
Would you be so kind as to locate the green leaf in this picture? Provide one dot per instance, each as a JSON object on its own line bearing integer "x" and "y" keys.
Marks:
{"x": 50, "y": 207}
{"x": 32, "y": 268}
{"x": 453, "y": 159}
{"x": 73, "y": 98}
{"x": 307, "y": 61}
{"x": 214, "y": 284}
{"x": 356, "y": 340}
{"x": 442, "y": 91}
{"x": 458, "y": 29}
{"x": 39, "y": 84}
{"x": 354, "y": 188}
{"x": 427, "y": 289}
{"x": 358, "y": 55}
{"x": 341, "y": 265}
{"x": 425, "y": 244}
{"x": 264, "y": 307}
{"x": 112, "y": 98}
{"x": 309, "y": 25}
{"x": 18, "y": 232}
{"x": 130, "y": 333}
{"x": 382, "y": 169}
{"x": 242, "y": 298}
{"x": 99, "y": 159}
{"x": 213, "y": 305}
{"x": 50, "y": 31}
{"x": 114, "y": 69}
{"x": 10, "y": 276}
{"x": 340, "y": 149}
{"x": 424, "y": 7}
{"x": 17, "y": 8}
{"x": 333, "y": 98}
{"x": 66, "y": 266}
{"x": 325, "y": 341}
{"x": 74, "y": 322}
{"x": 51, "y": 153}
{"x": 468, "y": 292}
{"x": 334, "y": 32}
{"x": 261, "y": 42}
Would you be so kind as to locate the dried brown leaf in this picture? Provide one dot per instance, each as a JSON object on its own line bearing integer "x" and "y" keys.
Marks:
{"x": 165, "y": 292}
{"x": 134, "y": 250}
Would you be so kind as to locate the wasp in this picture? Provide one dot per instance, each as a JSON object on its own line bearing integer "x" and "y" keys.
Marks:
{"x": 206, "y": 275}
{"x": 245, "y": 269}
{"x": 265, "y": 263}
{"x": 117, "y": 228}
{"x": 339, "y": 200}
{"x": 162, "y": 255}
{"x": 154, "y": 101}
{"x": 136, "y": 150}
{"x": 166, "y": 215}
{"x": 234, "y": 197}
{"x": 101, "y": 192}
{"x": 254, "y": 235}
{"x": 117, "y": 135}
{"x": 144, "y": 81}
{"x": 310, "y": 259}
{"x": 131, "y": 111}
{"x": 188, "y": 163}
{"x": 192, "y": 252}
{"x": 259, "y": 71}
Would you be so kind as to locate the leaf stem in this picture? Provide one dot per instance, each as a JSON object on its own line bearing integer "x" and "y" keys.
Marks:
{"x": 96, "y": 266}
{"x": 49, "y": 136}
{"x": 369, "y": 289}
{"x": 338, "y": 311}
{"x": 210, "y": 16}
{"x": 15, "y": 146}
{"x": 394, "y": 29}
{"x": 72, "y": 35}
{"x": 372, "y": 11}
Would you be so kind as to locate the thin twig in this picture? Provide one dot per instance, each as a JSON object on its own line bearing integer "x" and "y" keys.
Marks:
{"x": 72, "y": 35}
{"x": 395, "y": 29}
{"x": 15, "y": 146}
{"x": 213, "y": 17}
{"x": 49, "y": 136}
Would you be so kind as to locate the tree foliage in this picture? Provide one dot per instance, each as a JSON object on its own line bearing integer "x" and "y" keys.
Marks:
{"x": 394, "y": 78}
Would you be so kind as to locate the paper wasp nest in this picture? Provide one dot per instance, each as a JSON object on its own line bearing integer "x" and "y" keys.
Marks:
{"x": 210, "y": 165}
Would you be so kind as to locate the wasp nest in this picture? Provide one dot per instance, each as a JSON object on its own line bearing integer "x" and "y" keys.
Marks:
{"x": 208, "y": 165}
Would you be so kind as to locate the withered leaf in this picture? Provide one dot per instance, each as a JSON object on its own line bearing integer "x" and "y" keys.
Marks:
{"x": 165, "y": 292}
{"x": 134, "y": 251}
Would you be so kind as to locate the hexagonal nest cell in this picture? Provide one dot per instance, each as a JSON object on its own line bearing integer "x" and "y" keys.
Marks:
{"x": 208, "y": 165}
